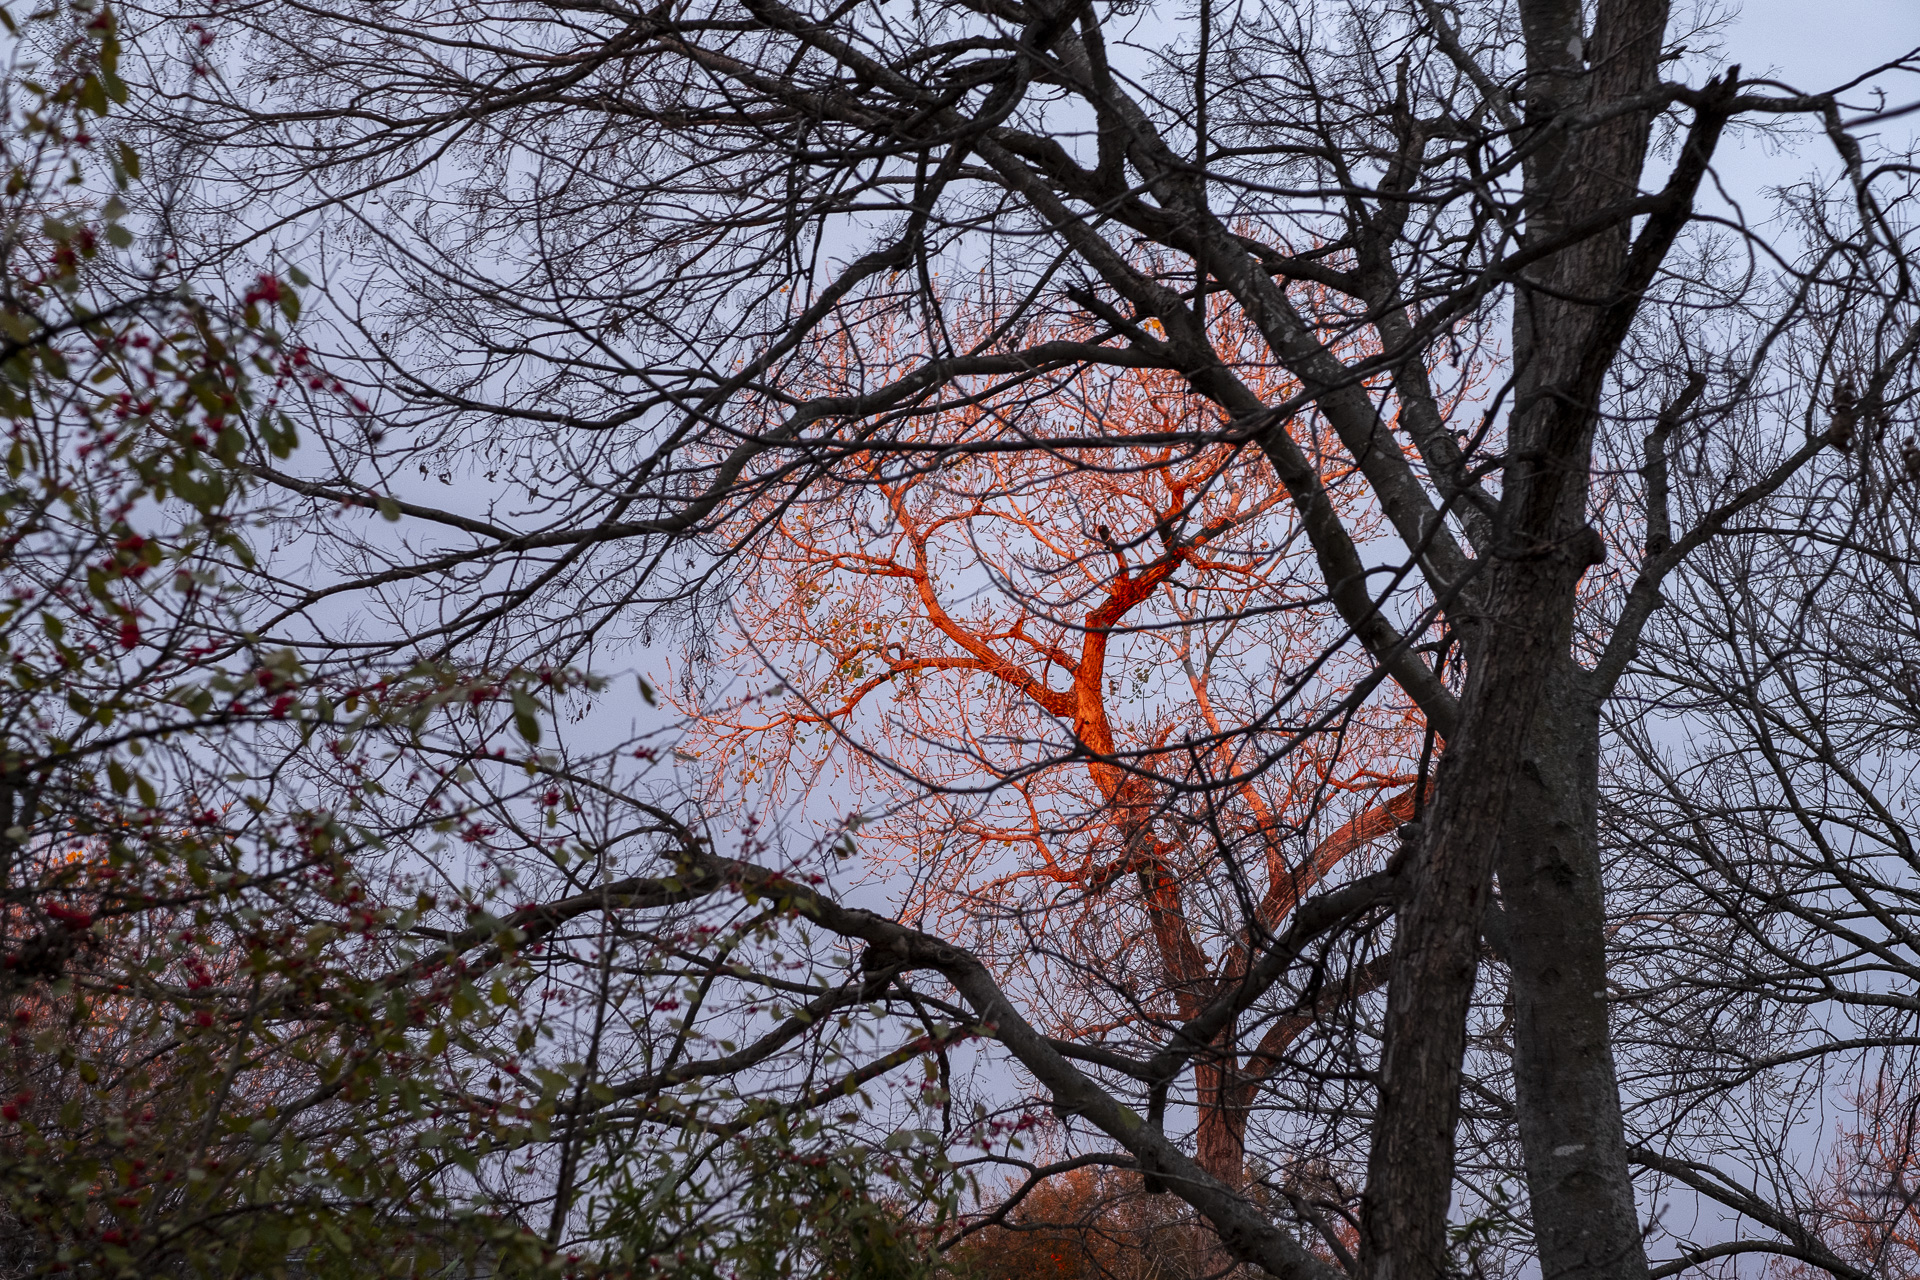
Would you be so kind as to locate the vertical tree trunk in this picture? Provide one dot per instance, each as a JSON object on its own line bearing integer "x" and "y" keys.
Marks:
{"x": 1220, "y": 1143}
{"x": 1566, "y": 1090}
{"x": 1220, "y": 1147}
{"x": 1571, "y": 312}
{"x": 1437, "y": 939}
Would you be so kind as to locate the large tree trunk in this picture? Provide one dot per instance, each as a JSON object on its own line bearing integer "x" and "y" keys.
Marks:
{"x": 1585, "y": 1220}
{"x": 1220, "y": 1147}
{"x": 1571, "y": 313}
{"x": 1437, "y": 940}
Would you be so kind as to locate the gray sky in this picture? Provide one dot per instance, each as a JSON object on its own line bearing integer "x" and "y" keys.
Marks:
{"x": 1816, "y": 43}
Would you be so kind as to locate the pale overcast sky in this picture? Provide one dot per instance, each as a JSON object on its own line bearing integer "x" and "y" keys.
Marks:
{"x": 1813, "y": 45}
{"x": 1816, "y": 43}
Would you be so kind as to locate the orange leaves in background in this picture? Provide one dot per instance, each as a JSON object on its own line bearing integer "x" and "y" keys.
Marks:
{"x": 1871, "y": 1200}
{"x": 1088, "y": 1224}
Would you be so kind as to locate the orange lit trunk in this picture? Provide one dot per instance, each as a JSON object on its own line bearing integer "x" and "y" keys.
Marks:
{"x": 1221, "y": 1140}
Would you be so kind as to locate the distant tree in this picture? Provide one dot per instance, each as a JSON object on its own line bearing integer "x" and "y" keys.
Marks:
{"x": 1766, "y": 891}
{"x": 1067, "y": 645}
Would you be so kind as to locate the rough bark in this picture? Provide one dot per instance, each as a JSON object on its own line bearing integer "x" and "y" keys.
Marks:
{"x": 1565, "y": 1086}
{"x": 1220, "y": 1138}
{"x": 1436, "y": 947}
{"x": 1570, "y": 316}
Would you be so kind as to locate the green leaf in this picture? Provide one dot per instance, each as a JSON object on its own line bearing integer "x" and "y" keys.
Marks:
{"x": 526, "y": 716}
{"x": 91, "y": 94}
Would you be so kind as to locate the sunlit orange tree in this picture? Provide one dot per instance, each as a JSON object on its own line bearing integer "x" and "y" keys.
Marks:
{"x": 1090, "y": 708}
{"x": 1083, "y": 1223}
{"x": 1871, "y": 1200}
